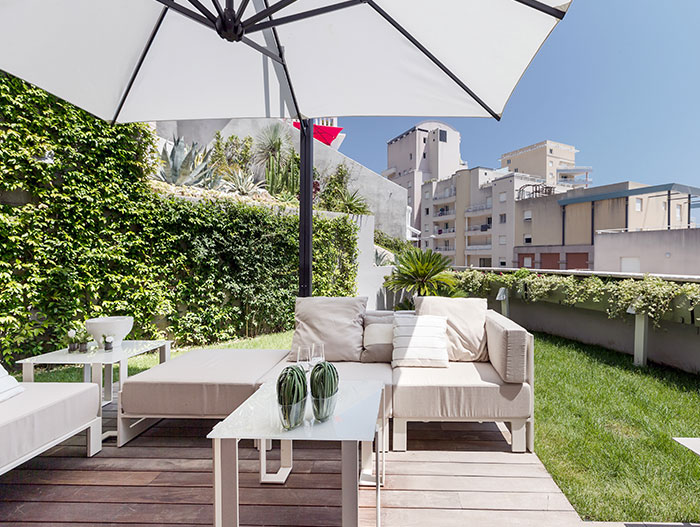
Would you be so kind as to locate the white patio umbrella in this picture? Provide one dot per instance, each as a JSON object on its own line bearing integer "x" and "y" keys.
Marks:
{"x": 153, "y": 60}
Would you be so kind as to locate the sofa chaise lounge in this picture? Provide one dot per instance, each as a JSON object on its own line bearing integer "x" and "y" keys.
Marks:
{"x": 44, "y": 415}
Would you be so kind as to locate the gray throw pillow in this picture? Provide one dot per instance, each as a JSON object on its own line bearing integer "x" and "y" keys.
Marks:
{"x": 378, "y": 337}
{"x": 335, "y": 322}
{"x": 466, "y": 325}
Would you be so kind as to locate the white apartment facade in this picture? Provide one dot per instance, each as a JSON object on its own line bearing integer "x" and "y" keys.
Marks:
{"x": 428, "y": 151}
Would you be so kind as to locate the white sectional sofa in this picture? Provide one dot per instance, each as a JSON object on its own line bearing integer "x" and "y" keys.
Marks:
{"x": 44, "y": 415}
{"x": 212, "y": 383}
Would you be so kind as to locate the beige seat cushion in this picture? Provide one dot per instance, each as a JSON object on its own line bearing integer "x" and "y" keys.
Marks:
{"x": 336, "y": 322}
{"x": 44, "y": 412}
{"x": 201, "y": 383}
{"x": 466, "y": 321}
{"x": 352, "y": 371}
{"x": 462, "y": 390}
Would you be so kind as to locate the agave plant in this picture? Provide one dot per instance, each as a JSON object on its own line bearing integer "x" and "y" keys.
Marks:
{"x": 381, "y": 258}
{"x": 185, "y": 166}
{"x": 291, "y": 396}
{"x": 351, "y": 202}
{"x": 242, "y": 182}
{"x": 421, "y": 273}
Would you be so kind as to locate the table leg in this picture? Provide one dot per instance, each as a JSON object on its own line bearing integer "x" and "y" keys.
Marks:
{"x": 28, "y": 372}
{"x": 350, "y": 483}
{"x": 87, "y": 373}
{"x": 164, "y": 352}
{"x": 226, "y": 482}
{"x": 279, "y": 477}
{"x": 123, "y": 371}
{"x": 108, "y": 388}
{"x": 378, "y": 439}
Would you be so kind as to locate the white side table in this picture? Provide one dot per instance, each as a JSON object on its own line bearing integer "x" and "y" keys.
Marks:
{"x": 354, "y": 421}
{"x": 95, "y": 361}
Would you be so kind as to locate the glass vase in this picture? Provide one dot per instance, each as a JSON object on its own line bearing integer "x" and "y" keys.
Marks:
{"x": 292, "y": 415}
{"x": 324, "y": 407}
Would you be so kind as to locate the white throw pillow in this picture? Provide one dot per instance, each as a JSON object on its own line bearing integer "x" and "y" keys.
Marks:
{"x": 420, "y": 341}
{"x": 9, "y": 387}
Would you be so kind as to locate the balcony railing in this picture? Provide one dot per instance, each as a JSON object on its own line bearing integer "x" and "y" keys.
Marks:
{"x": 450, "y": 230}
{"x": 478, "y": 207}
{"x": 485, "y": 247}
{"x": 479, "y": 228}
{"x": 445, "y": 249}
{"x": 443, "y": 213}
{"x": 451, "y": 193}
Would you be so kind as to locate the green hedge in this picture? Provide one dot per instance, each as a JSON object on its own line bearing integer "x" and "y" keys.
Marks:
{"x": 651, "y": 295}
{"x": 92, "y": 238}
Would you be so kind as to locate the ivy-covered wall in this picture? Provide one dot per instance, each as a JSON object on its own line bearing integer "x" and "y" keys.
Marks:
{"x": 85, "y": 235}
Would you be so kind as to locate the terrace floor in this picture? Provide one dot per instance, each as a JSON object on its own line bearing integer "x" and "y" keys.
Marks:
{"x": 453, "y": 474}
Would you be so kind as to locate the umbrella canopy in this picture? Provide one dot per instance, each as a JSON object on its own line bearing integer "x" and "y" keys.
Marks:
{"x": 152, "y": 60}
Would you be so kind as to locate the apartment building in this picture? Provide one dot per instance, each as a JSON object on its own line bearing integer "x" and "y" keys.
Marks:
{"x": 558, "y": 231}
{"x": 428, "y": 151}
{"x": 470, "y": 217}
{"x": 554, "y": 162}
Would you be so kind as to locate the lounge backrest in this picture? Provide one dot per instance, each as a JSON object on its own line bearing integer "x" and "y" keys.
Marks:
{"x": 509, "y": 346}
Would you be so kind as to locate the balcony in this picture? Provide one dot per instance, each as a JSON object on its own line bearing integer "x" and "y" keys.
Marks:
{"x": 442, "y": 215}
{"x": 444, "y": 233}
{"x": 448, "y": 196}
{"x": 477, "y": 248}
{"x": 478, "y": 230}
{"x": 478, "y": 209}
{"x": 445, "y": 250}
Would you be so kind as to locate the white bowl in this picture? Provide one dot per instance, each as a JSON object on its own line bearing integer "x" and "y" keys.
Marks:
{"x": 117, "y": 327}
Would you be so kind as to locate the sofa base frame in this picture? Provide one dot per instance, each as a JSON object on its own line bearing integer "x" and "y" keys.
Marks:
{"x": 93, "y": 443}
{"x": 521, "y": 430}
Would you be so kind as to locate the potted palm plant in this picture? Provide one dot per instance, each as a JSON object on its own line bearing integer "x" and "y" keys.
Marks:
{"x": 291, "y": 396}
{"x": 324, "y": 390}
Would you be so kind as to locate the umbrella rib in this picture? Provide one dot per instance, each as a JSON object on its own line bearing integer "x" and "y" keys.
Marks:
{"x": 433, "y": 58}
{"x": 544, "y": 8}
{"x": 262, "y": 49}
{"x": 217, "y": 6}
{"x": 267, "y": 12}
{"x": 200, "y": 7}
{"x": 189, "y": 14}
{"x": 301, "y": 16}
{"x": 280, "y": 49}
{"x": 241, "y": 8}
{"x": 142, "y": 58}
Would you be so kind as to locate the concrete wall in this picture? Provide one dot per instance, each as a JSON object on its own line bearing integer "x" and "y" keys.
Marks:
{"x": 675, "y": 251}
{"x": 370, "y": 278}
{"x": 672, "y": 344}
{"x": 386, "y": 199}
{"x": 537, "y": 160}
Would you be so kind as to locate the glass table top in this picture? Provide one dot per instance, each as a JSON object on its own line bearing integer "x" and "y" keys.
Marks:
{"x": 354, "y": 419}
{"x": 94, "y": 355}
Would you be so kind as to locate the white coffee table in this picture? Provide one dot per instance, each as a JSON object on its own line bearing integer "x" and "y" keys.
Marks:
{"x": 354, "y": 421}
{"x": 95, "y": 359}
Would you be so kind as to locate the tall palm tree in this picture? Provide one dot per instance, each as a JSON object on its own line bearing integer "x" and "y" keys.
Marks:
{"x": 421, "y": 273}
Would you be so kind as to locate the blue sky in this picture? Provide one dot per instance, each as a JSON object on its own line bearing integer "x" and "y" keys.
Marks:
{"x": 619, "y": 79}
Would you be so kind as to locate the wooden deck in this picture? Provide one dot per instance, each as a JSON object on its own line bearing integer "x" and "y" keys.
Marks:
{"x": 453, "y": 474}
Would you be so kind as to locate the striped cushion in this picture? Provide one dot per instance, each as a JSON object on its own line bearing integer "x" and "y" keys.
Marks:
{"x": 420, "y": 341}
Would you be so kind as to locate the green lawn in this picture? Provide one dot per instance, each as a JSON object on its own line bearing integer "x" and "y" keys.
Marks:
{"x": 603, "y": 428}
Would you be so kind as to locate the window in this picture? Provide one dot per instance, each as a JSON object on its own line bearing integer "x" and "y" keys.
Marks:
{"x": 427, "y": 193}
{"x": 551, "y": 174}
{"x": 502, "y": 218}
{"x": 423, "y": 155}
{"x": 508, "y": 162}
{"x": 527, "y": 215}
{"x": 515, "y": 170}
{"x": 551, "y": 164}
{"x": 427, "y": 211}
{"x": 527, "y": 261}
{"x": 410, "y": 155}
{"x": 663, "y": 206}
{"x": 502, "y": 197}
{"x": 551, "y": 150}
{"x": 502, "y": 262}
{"x": 679, "y": 212}
{"x": 425, "y": 140}
{"x": 443, "y": 136}
{"x": 638, "y": 204}
{"x": 488, "y": 202}
{"x": 527, "y": 239}
{"x": 410, "y": 200}
{"x": 410, "y": 184}
{"x": 501, "y": 240}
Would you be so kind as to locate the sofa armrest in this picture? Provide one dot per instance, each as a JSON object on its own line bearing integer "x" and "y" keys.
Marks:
{"x": 510, "y": 348}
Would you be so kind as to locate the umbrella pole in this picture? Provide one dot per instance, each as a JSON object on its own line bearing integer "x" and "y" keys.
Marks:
{"x": 306, "y": 175}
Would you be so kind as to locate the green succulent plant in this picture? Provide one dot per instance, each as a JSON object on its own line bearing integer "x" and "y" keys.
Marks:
{"x": 291, "y": 390}
{"x": 324, "y": 386}
{"x": 242, "y": 182}
{"x": 186, "y": 166}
